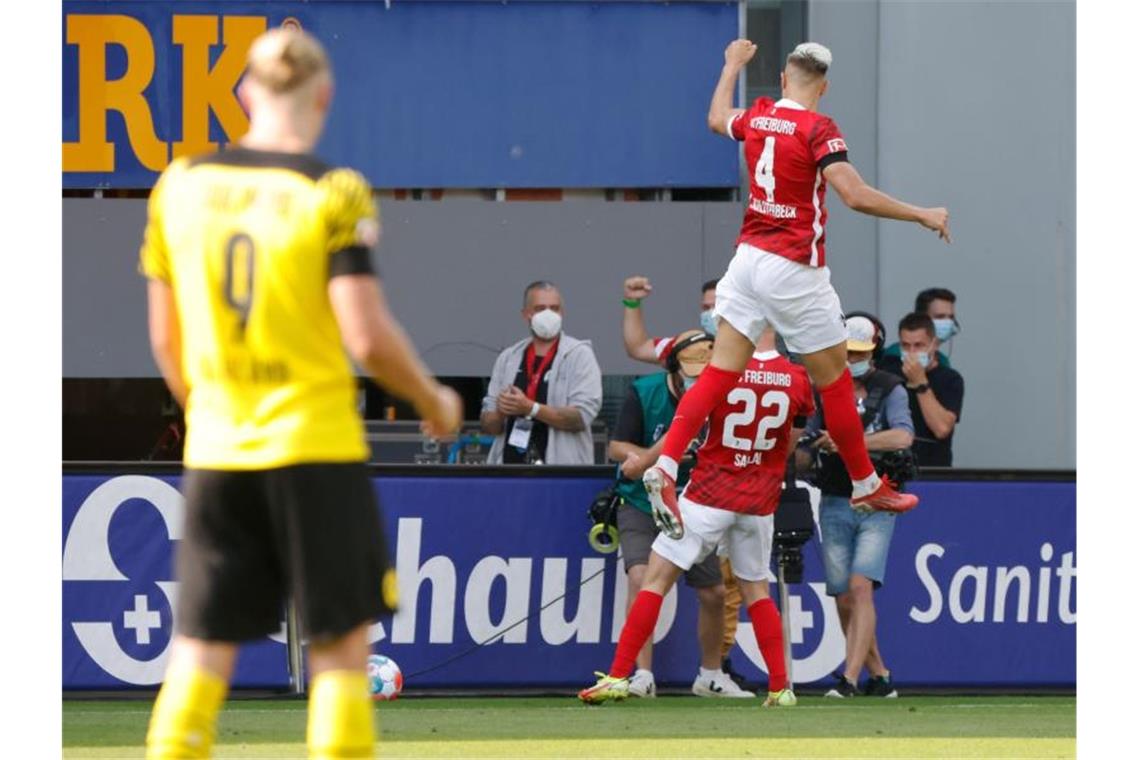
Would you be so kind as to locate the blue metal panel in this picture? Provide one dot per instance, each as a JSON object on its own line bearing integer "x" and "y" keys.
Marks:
{"x": 473, "y": 94}
{"x": 945, "y": 590}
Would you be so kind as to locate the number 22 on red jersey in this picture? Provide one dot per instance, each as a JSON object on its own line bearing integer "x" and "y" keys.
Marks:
{"x": 741, "y": 465}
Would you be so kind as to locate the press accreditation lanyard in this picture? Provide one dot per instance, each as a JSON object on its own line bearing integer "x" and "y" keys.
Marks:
{"x": 533, "y": 375}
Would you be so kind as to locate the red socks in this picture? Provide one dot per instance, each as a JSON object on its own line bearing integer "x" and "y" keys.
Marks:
{"x": 695, "y": 407}
{"x": 843, "y": 425}
{"x": 638, "y": 628}
{"x": 770, "y": 637}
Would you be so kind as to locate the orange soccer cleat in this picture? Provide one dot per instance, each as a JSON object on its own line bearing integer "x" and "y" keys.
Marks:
{"x": 886, "y": 498}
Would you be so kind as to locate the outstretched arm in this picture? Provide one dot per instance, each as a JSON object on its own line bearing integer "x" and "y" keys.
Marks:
{"x": 861, "y": 197}
{"x": 736, "y": 57}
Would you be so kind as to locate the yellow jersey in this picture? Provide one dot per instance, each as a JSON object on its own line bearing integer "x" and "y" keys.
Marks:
{"x": 248, "y": 241}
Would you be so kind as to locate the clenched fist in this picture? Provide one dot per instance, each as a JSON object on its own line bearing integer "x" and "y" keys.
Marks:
{"x": 739, "y": 52}
{"x": 637, "y": 287}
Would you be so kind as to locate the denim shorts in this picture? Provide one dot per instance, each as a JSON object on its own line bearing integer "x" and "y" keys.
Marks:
{"x": 853, "y": 542}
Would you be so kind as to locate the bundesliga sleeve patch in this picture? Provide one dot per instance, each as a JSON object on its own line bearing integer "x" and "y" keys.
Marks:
{"x": 836, "y": 145}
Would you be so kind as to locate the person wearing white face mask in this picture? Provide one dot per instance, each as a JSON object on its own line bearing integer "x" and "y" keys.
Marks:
{"x": 545, "y": 390}
{"x": 935, "y": 390}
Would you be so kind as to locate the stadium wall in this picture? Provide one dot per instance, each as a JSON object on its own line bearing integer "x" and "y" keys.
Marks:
{"x": 980, "y": 588}
{"x": 971, "y": 105}
{"x": 455, "y": 272}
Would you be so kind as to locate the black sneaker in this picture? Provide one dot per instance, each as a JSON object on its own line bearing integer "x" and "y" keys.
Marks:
{"x": 880, "y": 686}
{"x": 842, "y": 690}
{"x": 737, "y": 678}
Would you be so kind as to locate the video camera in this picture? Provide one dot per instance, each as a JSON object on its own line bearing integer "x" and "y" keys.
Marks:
{"x": 794, "y": 527}
{"x": 828, "y": 473}
{"x": 603, "y": 514}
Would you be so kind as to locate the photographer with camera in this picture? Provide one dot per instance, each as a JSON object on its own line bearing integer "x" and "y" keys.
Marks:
{"x": 855, "y": 543}
{"x": 645, "y": 416}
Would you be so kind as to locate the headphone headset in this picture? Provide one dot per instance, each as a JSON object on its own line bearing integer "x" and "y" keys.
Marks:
{"x": 672, "y": 362}
{"x": 880, "y": 337}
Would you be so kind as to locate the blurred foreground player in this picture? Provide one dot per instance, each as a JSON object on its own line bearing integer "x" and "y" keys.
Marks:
{"x": 730, "y": 500}
{"x": 259, "y": 274}
{"x": 779, "y": 276}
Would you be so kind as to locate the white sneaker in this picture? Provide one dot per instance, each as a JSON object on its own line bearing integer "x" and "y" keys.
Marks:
{"x": 718, "y": 685}
{"x": 641, "y": 684}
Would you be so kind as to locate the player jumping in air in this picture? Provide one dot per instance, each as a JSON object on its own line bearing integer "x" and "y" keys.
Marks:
{"x": 730, "y": 500}
{"x": 259, "y": 275}
{"x": 779, "y": 276}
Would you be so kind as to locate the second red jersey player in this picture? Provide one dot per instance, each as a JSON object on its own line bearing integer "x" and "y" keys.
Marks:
{"x": 730, "y": 501}
{"x": 740, "y": 466}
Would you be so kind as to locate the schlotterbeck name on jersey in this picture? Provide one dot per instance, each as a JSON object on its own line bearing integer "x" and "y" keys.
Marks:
{"x": 774, "y": 210}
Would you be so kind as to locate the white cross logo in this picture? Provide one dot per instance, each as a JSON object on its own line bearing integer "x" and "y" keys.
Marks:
{"x": 799, "y": 619}
{"x": 141, "y": 619}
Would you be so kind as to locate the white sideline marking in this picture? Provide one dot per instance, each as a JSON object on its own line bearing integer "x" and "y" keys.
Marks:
{"x": 813, "y": 708}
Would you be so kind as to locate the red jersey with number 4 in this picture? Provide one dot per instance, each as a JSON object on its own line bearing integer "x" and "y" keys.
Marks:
{"x": 787, "y": 148}
{"x": 741, "y": 465}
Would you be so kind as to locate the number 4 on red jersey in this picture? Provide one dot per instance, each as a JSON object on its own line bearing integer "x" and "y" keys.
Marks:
{"x": 787, "y": 148}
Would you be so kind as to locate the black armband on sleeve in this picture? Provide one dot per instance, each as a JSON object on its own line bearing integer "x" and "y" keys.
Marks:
{"x": 352, "y": 260}
{"x": 832, "y": 158}
{"x": 799, "y": 422}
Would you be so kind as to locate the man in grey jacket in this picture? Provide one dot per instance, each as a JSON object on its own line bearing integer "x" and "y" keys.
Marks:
{"x": 545, "y": 390}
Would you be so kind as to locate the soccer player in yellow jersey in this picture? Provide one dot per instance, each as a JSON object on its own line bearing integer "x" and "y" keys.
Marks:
{"x": 259, "y": 277}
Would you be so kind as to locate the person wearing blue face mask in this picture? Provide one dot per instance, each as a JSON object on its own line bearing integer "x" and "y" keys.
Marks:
{"x": 940, "y": 305}
{"x": 638, "y": 343}
{"x": 708, "y": 304}
{"x": 935, "y": 390}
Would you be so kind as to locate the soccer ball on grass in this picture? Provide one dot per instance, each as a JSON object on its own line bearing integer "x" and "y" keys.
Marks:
{"x": 385, "y": 681}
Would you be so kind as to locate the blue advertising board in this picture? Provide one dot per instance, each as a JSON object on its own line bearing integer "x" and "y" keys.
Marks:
{"x": 980, "y": 588}
{"x": 428, "y": 94}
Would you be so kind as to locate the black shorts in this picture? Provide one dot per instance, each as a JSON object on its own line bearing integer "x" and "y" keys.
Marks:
{"x": 310, "y": 532}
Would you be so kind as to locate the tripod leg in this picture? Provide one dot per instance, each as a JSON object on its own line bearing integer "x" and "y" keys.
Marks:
{"x": 786, "y": 623}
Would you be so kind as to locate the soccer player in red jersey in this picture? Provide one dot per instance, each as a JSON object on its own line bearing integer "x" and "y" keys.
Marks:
{"x": 779, "y": 276}
{"x": 731, "y": 499}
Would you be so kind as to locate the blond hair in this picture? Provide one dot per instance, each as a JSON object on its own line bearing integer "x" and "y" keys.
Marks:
{"x": 284, "y": 60}
{"x": 811, "y": 58}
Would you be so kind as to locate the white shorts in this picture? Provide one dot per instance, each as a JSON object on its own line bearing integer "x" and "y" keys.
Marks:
{"x": 747, "y": 538}
{"x": 761, "y": 288}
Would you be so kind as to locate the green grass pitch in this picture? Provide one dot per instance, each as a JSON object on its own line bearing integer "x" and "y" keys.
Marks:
{"x": 662, "y": 727}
